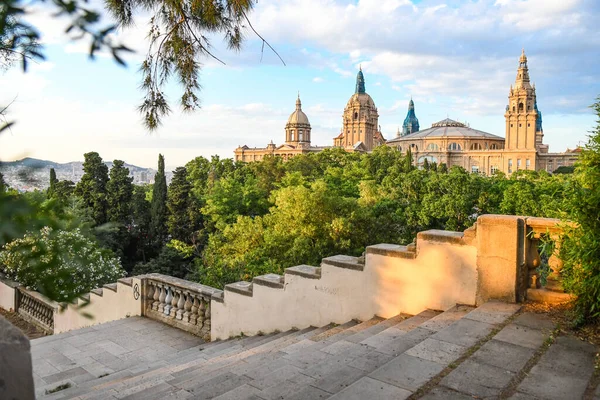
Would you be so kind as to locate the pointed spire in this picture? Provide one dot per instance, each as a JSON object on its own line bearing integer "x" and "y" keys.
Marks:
{"x": 522, "y": 80}
{"x": 298, "y": 102}
{"x": 360, "y": 82}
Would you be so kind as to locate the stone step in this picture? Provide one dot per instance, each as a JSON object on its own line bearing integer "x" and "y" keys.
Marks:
{"x": 393, "y": 333}
{"x": 126, "y": 281}
{"x": 97, "y": 292}
{"x": 305, "y": 271}
{"x": 422, "y": 353}
{"x": 375, "y": 329}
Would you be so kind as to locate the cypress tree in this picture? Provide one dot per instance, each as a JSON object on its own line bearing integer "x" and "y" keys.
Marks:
{"x": 119, "y": 191}
{"x": 158, "y": 208}
{"x": 178, "y": 203}
{"x": 53, "y": 181}
{"x": 92, "y": 186}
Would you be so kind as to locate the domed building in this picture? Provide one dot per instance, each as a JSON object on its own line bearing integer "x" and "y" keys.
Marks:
{"x": 448, "y": 142}
{"x": 360, "y": 122}
{"x": 297, "y": 140}
{"x": 454, "y": 143}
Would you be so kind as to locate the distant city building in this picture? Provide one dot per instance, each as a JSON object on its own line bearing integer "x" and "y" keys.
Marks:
{"x": 454, "y": 143}
{"x": 447, "y": 141}
{"x": 297, "y": 140}
{"x": 411, "y": 123}
{"x": 360, "y": 122}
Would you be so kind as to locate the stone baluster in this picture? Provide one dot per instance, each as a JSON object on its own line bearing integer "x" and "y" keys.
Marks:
{"x": 149, "y": 299}
{"x": 156, "y": 302}
{"x": 533, "y": 260}
{"x": 194, "y": 310}
{"x": 180, "y": 305}
{"x": 161, "y": 299}
{"x": 168, "y": 300}
{"x": 201, "y": 310}
{"x": 187, "y": 307}
{"x": 174, "y": 302}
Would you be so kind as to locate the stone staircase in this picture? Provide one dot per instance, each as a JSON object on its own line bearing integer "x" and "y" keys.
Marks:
{"x": 493, "y": 351}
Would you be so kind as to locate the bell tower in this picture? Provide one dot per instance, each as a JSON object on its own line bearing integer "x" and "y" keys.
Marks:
{"x": 523, "y": 127}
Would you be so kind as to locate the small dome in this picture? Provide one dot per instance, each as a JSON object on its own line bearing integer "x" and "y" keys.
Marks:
{"x": 298, "y": 116}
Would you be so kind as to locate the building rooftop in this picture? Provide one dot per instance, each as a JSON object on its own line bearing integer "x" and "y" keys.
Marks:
{"x": 450, "y": 129}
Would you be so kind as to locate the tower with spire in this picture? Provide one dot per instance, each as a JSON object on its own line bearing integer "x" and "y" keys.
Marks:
{"x": 360, "y": 122}
{"x": 523, "y": 118}
{"x": 411, "y": 123}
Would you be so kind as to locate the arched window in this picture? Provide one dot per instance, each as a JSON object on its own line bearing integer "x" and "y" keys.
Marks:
{"x": 433, "y": 147}
{"x": 493, "y": 146}
{"x": 476, "y": 146}
{"x": 399, "y": 148}
{"x": 300, "y": 136}
{"x": 514, "y": 109}
{"x": 429, "y": 159}
{"x": 292, "y": 135}
{"x": 454, "y": 147}
{"x": 414, "y": 147}
{"x": 520, "y": 107}
{"x": 355, "y": 115}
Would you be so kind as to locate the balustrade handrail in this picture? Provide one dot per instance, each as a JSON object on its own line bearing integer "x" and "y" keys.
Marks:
{"x": 37, "y": 308}
{"x": 178, "y": 302}
{"x": 204, "y": 290}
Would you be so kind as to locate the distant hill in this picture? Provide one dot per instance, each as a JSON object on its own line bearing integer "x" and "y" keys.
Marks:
{"x": 32, "y": 173}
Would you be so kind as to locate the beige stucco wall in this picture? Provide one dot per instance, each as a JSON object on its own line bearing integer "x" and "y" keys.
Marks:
{"x": 110, "y": 306}
{"x": 7, "y": 296}
{"x": 442, "y": 275}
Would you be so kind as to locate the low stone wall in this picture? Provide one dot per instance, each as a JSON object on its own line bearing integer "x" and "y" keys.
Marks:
{"x": 109, "y": 303}
{"x": 16, "y": 376}
{"x": 8, "y": 295}
{"x": 439, "y": 273}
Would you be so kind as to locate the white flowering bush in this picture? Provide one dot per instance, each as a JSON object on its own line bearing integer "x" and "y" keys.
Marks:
{"x": 59, "y": 264}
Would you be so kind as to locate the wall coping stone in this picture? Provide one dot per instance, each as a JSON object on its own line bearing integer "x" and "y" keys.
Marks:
{"x": 218, "y": 297}
{"x": 269, "y": 280}
{"x": 436, "y": 235}
{"x": 495, "y": 219}
{"x": 8, "y": 282}
{"x": 182, "y": 283}
{"x": 305, "y": 271}
{"x": 343, "y": 261}
{"x": 111, "y": 286}
{"x": 244, "y": 288}
{"x": 97, "y": 292}
{"x": 85, "y": 297}
{"x": 391, "y": 250}
{"x": 126, "y": 281}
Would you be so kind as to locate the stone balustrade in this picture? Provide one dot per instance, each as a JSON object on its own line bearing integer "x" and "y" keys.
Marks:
{"x": 179, "y": 303}
{"x": 37, "y": 309}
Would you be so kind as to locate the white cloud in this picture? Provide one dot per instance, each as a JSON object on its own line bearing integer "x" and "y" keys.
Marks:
{"x": 318, "y": 79}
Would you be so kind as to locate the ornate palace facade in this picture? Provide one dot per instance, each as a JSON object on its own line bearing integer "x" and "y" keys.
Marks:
{"x": 447, "y": 141}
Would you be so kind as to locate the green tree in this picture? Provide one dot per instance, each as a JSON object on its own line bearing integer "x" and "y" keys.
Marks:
{"x": 119, "y": 191}
{"x": 140, "y": 228}
{"x": 580, "y": 250}
{"x": 63, "y": 190}
{"x": 179, "y": 201}
{"x": 158, "y": 208}
{"x": 59, "y": 264}
{"x": 2, "y": 183}
{"x": 53, "y": 181}
{"x": 92, "y": 186}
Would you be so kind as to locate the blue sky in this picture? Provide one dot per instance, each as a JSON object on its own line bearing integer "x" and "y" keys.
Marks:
{"x": 455, "y": 58}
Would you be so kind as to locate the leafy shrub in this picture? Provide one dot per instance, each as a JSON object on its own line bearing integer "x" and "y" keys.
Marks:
{"x": 580, "y": 250}
{"x": 60, "y": 264}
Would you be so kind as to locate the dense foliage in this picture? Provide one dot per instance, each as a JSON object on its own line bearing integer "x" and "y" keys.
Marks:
{"x": 221, "y": 221}
{"x": 580, "y": 250}
{"x": 70, "y": 261}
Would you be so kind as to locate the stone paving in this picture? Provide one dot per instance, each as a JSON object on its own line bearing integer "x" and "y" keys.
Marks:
{"x": 480, "y": 353}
